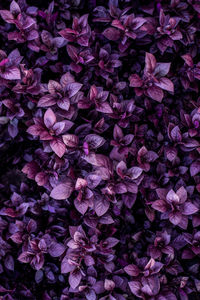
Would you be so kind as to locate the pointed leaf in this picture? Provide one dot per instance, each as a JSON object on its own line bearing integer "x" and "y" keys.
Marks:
{"x": 58, "y": 147}
{"x": 62, "y": 191}
{"x": 49, "y": 118}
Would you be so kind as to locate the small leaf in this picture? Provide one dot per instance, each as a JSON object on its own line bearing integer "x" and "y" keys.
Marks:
{"x": 112, "y": 34}
{"x": 56, "y": 249}
{"x": 101, "y": 206}
{"x": 165, "y": 84}
{"x": 70, "y": 140}
{"x": 95, "y": 141}
{"x": 155, "y": 93}
{"x": 150, "y": 62}
{"x": 58, "y": 147}
{"x": 49, "y": 118}
{"x": 11, "y": 73}
{"x": 135, "y": 81}
{"x": 81, "y": 206}
{"x": 189, "y": 209}
{"x": 176, "y": 134}
{"x": 46, "y": 100}
{"x": 132, "y": 270}
{"x": 62, "y": 191}
{"x": 134, "y": 172}
{"x": 75, "y": 279}
{"x": 159, "y": 205}
{"x": 9, "y": 262}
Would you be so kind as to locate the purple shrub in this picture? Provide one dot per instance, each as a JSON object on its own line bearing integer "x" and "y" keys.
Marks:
{"x": 99, "y": 144}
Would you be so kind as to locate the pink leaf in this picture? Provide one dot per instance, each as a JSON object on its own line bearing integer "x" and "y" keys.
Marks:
{"x": 101, "y": 206}
{"x": 165, "y": 84}
{"x": 47, "y": 100}
{"x": 159, "y": 205}
{"x": 11, "y": 73}
{"x": 49, "y": 118}
{"x": 132, "y": 270}
{"x": 155, "y": 93}
{"x": 62, "y": 191}
{"x": 58, "y": 147}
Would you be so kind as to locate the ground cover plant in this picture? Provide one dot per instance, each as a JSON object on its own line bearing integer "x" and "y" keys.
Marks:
{"x": 100, "y": 150}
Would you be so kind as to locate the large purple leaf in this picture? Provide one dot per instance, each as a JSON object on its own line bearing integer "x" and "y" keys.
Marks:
{"x": 75, "y": 278}
{"x": 155, "y": 93}
{"x": 49, "y": 118}
{"x": 62, "y": 191}
{"x": 165, "y": 84}
{"x": 150, "y": 62}
{"x": 56, "y": 249}
{"x": 58, "y": 147}
{"x": 101, "y": 206}
{"x": 112, "y": 34}
{"x": 11, "y": 73}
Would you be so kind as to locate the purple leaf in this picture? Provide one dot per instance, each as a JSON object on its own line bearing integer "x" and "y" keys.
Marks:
{"x": 195, "y": 168}
{"x": 155, "y": 93}
{"x": 150, "y": 62}
{"x": 175, "y": 217}
{"x": 159, "y": 205}
{"x": 73, "y": 88}
{"x": 11, "y": 73}
{"x": 95, "y": 141}
{"x": 189, "y": 209}
{"x": 47, "y": 100}
{"x": 49, "y": 118}
{"x": 62, "y": 191}
{"x": 135, "y": 81}
{"x": 112, "y": 34}
{"x": 132, "y": 270}
{"x": 75, "y": 279}
{"x": 101, "y": 206}
{"x": 162, "y": 69}
{"x": 81, "y": 206}
{"x": 58, "y": 147}
{"x": 7, "y": 16}
{"x": 70, "y": 140}
{"x": 9, "y": 262}
{"x": 135, "y": 287}
{"x": 56, "y": 249}
{"x": 134, "y": 172}
{"x": 165, "y": 84}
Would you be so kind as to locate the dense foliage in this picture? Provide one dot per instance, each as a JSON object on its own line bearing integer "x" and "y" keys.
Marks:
{"x": 100, "y": 149}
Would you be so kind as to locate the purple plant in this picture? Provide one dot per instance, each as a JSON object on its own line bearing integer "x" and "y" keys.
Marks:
{"x": 153, "y": 81}
{"x": 99, "y": 146}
